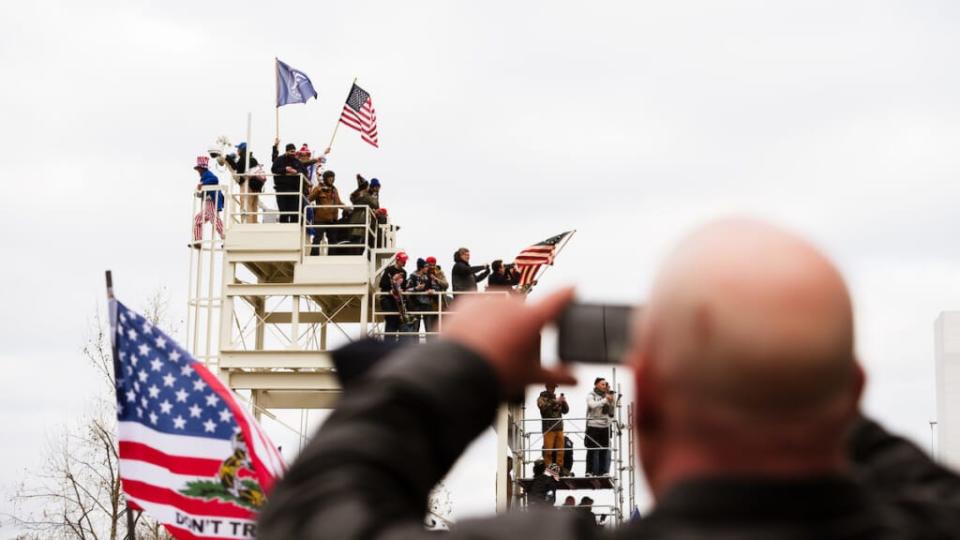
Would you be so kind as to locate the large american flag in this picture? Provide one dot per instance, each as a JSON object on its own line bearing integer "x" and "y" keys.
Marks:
{"x": 191, "y": 457}
{"x": 358, "y": 113}
{"x": 530, "y": 260}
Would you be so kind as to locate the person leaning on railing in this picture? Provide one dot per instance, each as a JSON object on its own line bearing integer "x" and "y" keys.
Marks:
{"x": 439, "y": 300}
{"x": 287, "y": 169}
{"x": 600, "y": 404}
{"x": 361, "y": 197}
{"x": 325, "y": 194}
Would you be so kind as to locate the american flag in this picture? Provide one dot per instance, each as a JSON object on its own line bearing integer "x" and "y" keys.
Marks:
{"x": 358, "y": 113}
{"x": 190, "y": 456}
{"x": 532, "y": 258}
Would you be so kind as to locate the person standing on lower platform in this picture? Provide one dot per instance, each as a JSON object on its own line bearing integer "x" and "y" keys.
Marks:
{"x": 388, "y": 304}
{"x": 552, "y": 409}
{"x": 600, "y": 404}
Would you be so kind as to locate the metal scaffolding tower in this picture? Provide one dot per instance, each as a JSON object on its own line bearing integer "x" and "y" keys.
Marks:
{"x": 521, "y": 439}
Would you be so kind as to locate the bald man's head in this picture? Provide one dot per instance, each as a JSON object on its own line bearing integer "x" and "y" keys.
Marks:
{"x": 747, "y": 340}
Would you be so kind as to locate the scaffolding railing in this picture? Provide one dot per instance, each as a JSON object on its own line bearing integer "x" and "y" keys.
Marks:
{"x": 412, "y": 319}
{"x": 616, "y": 486}
{"x": 348, "y": 235}
{"x": 246, "y": 206}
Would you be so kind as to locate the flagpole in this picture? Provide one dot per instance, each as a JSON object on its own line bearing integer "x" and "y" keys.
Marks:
{"x": 276, "y": 101}
{"x": 336, "y": 127}
{"x": 112, "y": 309}
{"x": 562, "y": 245}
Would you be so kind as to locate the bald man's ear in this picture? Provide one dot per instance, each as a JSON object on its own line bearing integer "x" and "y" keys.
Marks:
{"x": 857, "y": 382}
{"x": 647, "y": 394}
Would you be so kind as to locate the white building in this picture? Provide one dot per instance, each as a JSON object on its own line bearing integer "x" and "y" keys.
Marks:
{"x": 947, "y": 357}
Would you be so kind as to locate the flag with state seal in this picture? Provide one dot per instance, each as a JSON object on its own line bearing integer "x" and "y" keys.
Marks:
{"x": 191, "y": 456}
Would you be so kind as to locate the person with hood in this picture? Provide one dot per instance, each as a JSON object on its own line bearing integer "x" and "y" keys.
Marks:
{"x": 249, "y": 186}
{"x": 212, "y": 202}
{"x": 543, "y": 489}
{"x": 388, "y": 303}
{"x": 361, "y": 197}
{"x": 466, "y": 277}
{"x": 325, "y": 194}
{"x": 552, "y": 409}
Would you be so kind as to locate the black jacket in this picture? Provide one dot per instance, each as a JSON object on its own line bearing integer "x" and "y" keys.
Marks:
{"x": 504, "y": 281}
{"x": 368, "y": 471}
{"x": 543, "y": 490}
{"x": 387, "y": 302}
{"x": 285, "y": 181}
{"x": 466, "y": 277}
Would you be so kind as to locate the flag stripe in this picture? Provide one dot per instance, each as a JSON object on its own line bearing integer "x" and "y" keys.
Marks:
{"x": 168, "y": 514}
{"x": 175, "y": 464}
{"x": 150, "y": 493}
{"x": 199, "y": 447}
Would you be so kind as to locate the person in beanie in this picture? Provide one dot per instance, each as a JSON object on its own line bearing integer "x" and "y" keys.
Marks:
{"x": 466, "y": 277}
{"x": 552, "y": 409}
{"x": 212, "y": 202}
{"x": 391, "y": 323}
{"x": 361, "y": 197}
{"x": 375, "y": 190}
{"x": 250, "y": 187}
{"x": 440, "y": 286}
{"x": 325, "y": 194}
{"x": 287, "y": 169}
{"x": 419, "y": 282}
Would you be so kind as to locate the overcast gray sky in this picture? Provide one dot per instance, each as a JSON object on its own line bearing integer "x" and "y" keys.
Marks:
{"x": 500, "y": 124}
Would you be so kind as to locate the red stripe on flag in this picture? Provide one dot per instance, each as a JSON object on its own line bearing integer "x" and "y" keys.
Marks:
{"x": 189, "y": 505}
{"x": 176, "y": 464}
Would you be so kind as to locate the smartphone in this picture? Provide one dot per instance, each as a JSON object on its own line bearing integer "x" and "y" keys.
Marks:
{"x": 593, "y": 333}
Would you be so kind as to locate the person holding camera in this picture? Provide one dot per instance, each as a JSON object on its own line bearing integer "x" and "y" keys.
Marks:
{"x": 503, "y": 277}
{"x": 552, "y": 409}
{"x": 748, "y": 415}
{"x": 466, "y": 277}
{"x": 600, "y": 406}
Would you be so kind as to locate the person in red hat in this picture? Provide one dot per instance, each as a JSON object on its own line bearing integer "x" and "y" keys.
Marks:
{"x": 388, "y": 301}
{"x": 212, "y": 202}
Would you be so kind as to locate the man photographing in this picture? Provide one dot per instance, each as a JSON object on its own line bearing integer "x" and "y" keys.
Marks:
{"x": 747, "y": 414}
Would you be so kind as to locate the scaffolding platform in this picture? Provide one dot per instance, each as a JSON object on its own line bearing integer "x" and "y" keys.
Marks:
{"x": 577, "y": 483}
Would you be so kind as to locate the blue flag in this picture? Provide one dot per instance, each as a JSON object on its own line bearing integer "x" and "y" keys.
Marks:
{"x": 293, "y": 86}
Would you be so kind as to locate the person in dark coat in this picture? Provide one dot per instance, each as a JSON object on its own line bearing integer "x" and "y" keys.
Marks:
{"x": 543, "y": 489}
{"x": 748, "y": 415}
{"x": 287, "y": 167}
{"x": 388, "y": 302}
{"x": 466, "y": 277}
{"x": 502, "y": 277}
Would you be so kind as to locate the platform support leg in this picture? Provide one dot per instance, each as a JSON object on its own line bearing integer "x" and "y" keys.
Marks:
{"x": 503, "y": 449}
